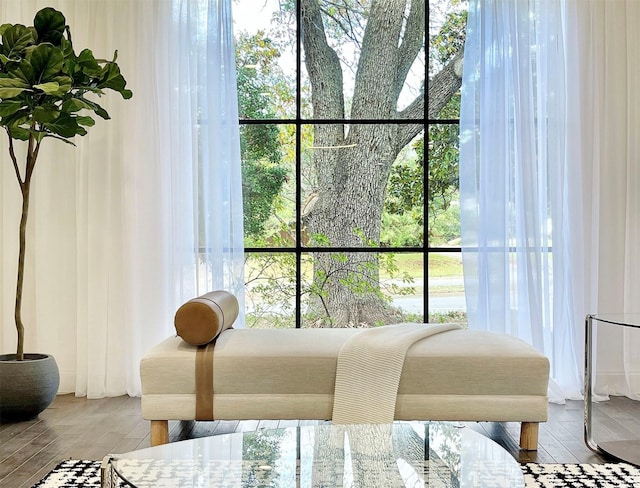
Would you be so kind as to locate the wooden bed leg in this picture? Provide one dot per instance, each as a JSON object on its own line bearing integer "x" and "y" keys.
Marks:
{"x": 529, "y": 436}
{"x": 159, "y": 432}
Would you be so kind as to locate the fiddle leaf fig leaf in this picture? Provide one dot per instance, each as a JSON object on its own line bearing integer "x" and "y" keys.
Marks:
{"x": 16, "y": 119}
{"x": 18, "y": 133}
{"x": 85, "y": 120}
{"x": 101, "y": 112}
{"x": 58, "y": 87}
{"x": 16, "y": 38}
{"x": 42, "y": 135}
{"x": 50, "y": 87}
{"x": 64, "y": 126}
{"x": 50, "y": 25}
{"x": 46, "y": 61}
{"x": 11, "y": 87}
{"x": 111, "y": 78}
{"x": 7, "y": 82}
{"x": 10, "y": 92}
{"x": 46, "y": 113}
{"x": 10, "y": 107}
{"x": 67, "y": 49}
{"x": 88, "y": 63}
{"x": 95, "y": 107}
{"x": 23, "y": 71}
{"x": 75, "y": 105}
{"x": 65, "y": 84}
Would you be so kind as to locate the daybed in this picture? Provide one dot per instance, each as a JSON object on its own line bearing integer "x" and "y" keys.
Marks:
{"x": 454, "y": 375}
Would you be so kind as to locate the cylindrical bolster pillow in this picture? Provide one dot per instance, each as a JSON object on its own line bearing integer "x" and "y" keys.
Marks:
{"x": 199, "y": 321}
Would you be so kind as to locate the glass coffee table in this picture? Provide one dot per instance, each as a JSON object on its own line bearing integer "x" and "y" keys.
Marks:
{"x": 627, "y": 449}
{"x": 403, "y": 454}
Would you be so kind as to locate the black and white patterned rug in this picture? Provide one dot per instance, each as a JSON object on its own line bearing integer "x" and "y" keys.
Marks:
{"x": 72, "y": 473}
{"x": 86, "y": 474}
{"x": 578, "y": 475}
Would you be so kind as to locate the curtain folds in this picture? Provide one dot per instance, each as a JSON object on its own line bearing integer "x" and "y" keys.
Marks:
{"x": 514, "y": 175}
{"x": 548, "y": 179}
{"x": 145, "y": 212}
{"x": 604, "y": 137}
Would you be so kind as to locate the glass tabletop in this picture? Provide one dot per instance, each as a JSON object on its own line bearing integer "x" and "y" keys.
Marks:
{"x": 404, "y": 454}
{"x": 625, "y": 319}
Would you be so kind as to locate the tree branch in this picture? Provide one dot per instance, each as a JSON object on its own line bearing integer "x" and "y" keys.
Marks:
{"x": 406, "y": 132}
{"x": 323, "y": 65}
{"x": 346, "y": 30}
{"x": 29, "y": 166}
{"x": 445, "y": 84}
{"x": 32, "y": 156}
{"x": 377, "y": 66}
{"x": 14, "y": 160}
{"x": 412, "y": 43}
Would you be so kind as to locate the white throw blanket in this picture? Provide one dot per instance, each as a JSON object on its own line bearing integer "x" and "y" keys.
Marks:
{"x": 369, "y": 368}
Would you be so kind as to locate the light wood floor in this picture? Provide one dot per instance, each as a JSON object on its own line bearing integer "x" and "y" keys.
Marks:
{"x": 77, "y": 428}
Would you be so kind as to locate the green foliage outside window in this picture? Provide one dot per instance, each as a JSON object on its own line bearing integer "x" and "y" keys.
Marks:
{"x": 263, "y": 172}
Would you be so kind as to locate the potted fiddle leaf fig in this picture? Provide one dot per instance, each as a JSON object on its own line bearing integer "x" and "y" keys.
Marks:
{"x": 46, "y": 90}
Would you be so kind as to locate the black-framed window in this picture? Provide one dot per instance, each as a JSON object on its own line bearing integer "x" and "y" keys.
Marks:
{"x": 336, "y": 143}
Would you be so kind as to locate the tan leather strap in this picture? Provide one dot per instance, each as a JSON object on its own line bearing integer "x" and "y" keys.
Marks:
{"x": 204, "y": 382}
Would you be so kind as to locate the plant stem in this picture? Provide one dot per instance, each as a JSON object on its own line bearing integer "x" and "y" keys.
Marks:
{"x": 25, "y": 188}
{"x": 23, "y": 233}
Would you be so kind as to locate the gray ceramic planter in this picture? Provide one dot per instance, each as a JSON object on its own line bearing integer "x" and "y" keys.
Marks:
{"x": 26, "y": 387}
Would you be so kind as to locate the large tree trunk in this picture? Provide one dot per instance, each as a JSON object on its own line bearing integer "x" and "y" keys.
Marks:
{"x": 348, "y": 213}
{"x": 352, "y": 165}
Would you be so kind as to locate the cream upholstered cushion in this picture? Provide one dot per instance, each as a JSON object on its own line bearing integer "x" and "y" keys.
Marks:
{"x": 283, "y": 373}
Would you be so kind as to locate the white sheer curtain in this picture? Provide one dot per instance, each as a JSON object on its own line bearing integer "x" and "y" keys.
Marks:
{"x": 549, "y": 179}
{"x": 147, "y": 211}
{"x": 515, "y": 182}
{"x": 604, "y": 135}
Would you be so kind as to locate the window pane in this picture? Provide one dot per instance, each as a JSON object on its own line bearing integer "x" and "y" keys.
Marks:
{"x": 348, "y": 199}
{"x": 270, "y": 290}
{"x": 361, "y": 184}
{"x": 268, "y": 184}
{"x": 265, "y": 33}
{"x": 358, "y": 289}
{"x": 345, "y": 75}
{"x": 403, "y": 211}
{"x": 447, "y": 23}
{"x": 443, "y": 194}
{"x": 446, "y": 288}
{"x": 402, "y": 278}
